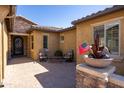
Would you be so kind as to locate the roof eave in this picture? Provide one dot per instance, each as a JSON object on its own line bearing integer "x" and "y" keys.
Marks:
{"x": 43, "y": 30}
{"x": 26, "y": 20}
{"x": 100, "y": 13}
{"x": 67, "y": 29}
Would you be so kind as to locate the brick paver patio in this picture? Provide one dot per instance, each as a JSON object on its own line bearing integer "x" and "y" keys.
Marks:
{"x": 26, "y": 73}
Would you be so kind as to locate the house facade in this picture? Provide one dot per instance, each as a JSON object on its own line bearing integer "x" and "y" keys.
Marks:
{"x": 28, "y": 38}
{"x": 50, "y": 38}
{"x": 21, "y": 37}
{"x": 33, "y": 38}
{"x": 6, "y": 25}
{"x": 109, "y": 23}
{"x": 43, "y": 38}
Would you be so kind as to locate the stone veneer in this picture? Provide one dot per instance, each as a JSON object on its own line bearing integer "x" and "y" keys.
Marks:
{"x": 21, "y": 25}
{"x": 90, "y": 77}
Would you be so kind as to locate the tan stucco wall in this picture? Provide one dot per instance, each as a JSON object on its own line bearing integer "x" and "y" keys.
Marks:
{"x": 3, "y": 49}
{"x": 4, "y": 10}
{"x": 84, "y": 30}
{"x": 53, "y": 43}
{"x": 25, "y": 46}
{"x": 69, "y": 41}
{"x": 1, "y": 56}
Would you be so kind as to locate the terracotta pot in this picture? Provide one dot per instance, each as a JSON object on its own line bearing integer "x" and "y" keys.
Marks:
{"x": 100, "y": 63}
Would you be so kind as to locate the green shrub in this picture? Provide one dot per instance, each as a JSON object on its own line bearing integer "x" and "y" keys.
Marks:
{"x": 58, "y": 53}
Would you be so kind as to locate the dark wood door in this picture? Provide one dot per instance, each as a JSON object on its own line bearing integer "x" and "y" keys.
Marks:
{"x": 18, "y": 45}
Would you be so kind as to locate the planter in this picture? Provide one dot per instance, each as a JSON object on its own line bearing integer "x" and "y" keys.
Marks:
{"x": 100, "y": 63}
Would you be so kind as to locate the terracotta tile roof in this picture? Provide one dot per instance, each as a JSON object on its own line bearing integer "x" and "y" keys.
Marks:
{"x": 99, "y": 13}
{"x": 67, "y": 29}
{"x": 44, "y": 28}
{"x": 50, "y": 29}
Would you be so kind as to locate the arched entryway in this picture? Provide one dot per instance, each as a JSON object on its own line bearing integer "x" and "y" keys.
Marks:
{"x": 18, "y": 46}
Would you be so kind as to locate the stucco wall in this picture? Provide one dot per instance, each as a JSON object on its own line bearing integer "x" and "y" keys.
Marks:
{"x": 1, "y": 61}
{"x": 3, "y": 49}
{"x": 4, "y": 10}
{"x": 53, "y": 43}
{"x": 69, "y": 41}
{"x": 84, "y": 30}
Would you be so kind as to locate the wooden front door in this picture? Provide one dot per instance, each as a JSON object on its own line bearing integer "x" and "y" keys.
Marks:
{"x": 18, "y": 45}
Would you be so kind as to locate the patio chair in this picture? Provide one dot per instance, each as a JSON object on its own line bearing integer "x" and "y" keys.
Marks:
{"x": 43, "y": 55}
{"x": 69, "y": 56}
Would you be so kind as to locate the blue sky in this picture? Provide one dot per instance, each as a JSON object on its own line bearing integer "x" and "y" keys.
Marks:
{"x": 57, "y": 15}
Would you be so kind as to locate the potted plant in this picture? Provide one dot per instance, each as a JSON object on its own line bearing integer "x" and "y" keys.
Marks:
{"x": 98, "y": 55}
{"x": 58, "y": 53}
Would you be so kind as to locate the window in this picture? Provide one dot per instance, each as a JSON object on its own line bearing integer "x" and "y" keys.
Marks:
{"x": 45, "y": 41}
{"x": 109, "y": 36}
{"x": 32, "y": 42}
{"x": 62, "y": 38}
{"x": 112, "y": 38}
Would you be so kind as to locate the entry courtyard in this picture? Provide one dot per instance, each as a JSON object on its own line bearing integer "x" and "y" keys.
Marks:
{"x": 23, "y": 72}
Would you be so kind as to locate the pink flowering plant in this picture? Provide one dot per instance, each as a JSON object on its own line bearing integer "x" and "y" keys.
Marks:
{"x": 95, "y": 51}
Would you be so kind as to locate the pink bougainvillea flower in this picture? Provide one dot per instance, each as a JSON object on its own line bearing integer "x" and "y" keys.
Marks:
{"x": 83, "y": 48}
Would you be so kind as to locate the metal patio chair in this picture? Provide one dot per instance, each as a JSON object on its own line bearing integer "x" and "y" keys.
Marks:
{"x": 69, "y": 56}
{"x": 43, "y": 55}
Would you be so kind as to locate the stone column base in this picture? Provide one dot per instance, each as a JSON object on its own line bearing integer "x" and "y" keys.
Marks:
{"x": 90, "y": 77}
